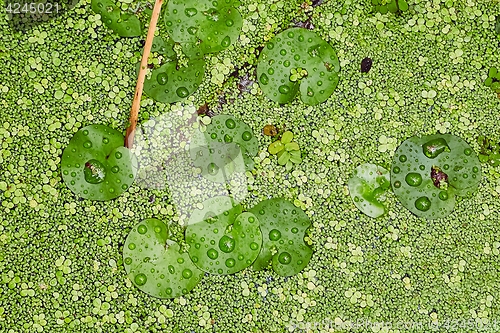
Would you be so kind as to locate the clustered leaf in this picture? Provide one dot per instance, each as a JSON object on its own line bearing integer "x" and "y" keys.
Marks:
{"x": 123, "y": 24}
{"x": 288, "y": 152}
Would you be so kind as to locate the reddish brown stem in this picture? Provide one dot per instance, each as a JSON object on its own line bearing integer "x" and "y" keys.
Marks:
{"x": 136, "y": 103}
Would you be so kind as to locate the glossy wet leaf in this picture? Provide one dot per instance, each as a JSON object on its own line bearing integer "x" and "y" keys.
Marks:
{"x": 367, "y": 188}
{"x": 154, "y": 267}
{"x": 123, "y": 24}
{"x": 169, "y": 84}
{"x": 214, "y": 25}
{"x": 283, "y": 229}
{"x": 95, "y": 165}
{"x": 452, "y": 165}
{"x": 223, "y": 243}
{"x": 163, "y": 47}
{"x": 298, "y": 48}
{"x": 275, "y": 147}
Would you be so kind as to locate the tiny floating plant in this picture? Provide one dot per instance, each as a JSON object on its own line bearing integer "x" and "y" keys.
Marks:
{"x": 367, "y": 187}
{"x": 393, "y": 6}
{"x": 288, "y": 151}
{"x": 493, "y": 80}
{"x": 96, "y": 164}
{"x": 428, "y": 172}
{"x": 490, "y": 151}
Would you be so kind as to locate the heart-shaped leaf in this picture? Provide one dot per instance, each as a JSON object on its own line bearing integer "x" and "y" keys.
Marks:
{"x": 125, "y": 25}
{"x": 298, "y": 48}
{"x": 367, "y": 187}
{"x": 427, "y": 172}
{"x": 156, "y": 268}
{"x": 283, "y": 229}
{"x": 95, "y": 165}
{"x": 223, "y": 243}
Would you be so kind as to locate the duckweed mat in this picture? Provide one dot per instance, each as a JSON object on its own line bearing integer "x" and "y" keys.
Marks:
{"x": 405, "y": 69}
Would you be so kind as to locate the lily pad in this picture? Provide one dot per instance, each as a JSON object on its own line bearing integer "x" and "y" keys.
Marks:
{"x": 124, "y": 24}
{"x": 156, "y": 268}
{"x": 367, "y": 187}
{"x": 169, "y": 84}
{"x": 427, "y": 172}
{"x": 283, "y": 229}
{"x": 298, "y": 48}
{"x": 223, "y": 243}
{"x": 214, "y": 25}
{"x": 96, "y": 165}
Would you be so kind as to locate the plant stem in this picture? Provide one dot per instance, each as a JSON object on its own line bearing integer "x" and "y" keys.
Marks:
{"x": 136, "y": 103}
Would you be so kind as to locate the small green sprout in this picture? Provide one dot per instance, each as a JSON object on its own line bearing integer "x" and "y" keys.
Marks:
{"x": 493, "y": 80}
{"x": 288, "y": 152}
{"x": 490, "y": 151}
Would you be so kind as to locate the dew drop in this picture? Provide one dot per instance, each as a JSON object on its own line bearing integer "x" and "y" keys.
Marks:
{"x": 229, "y": 23}
{"x": 118, "y": 155}
{"x": 283, "y": 52}
{"x": 246, "y": 136}
{"x": 225, "y": 42}
{"x": 182, "y": 92}
{"x": 264, "y": 79}
{"x": 270, "y": 71}
{"x": 270, "y": 46}
{"x": 402, "y": 158}
{"x": 285, "y": 258}
{"x": 212, "y": 169}
{"x": 413, "y": 179}
{"x": 274, "y": 234}
{"x": 230, "y": 262}
{"x": 140, "y": 279}
{"x": 85, "y": 132}
{"x": 94, "y": 172}
{"x": 228, "y": 138}
{"x": 468, "y": 151}
{"x": 443, "y": 195}
{"x": 115, "y": 169}
{"x": 128, "y": 260}
{"x": 171, "y": 269}
{"x": 284, "y": 89}
{"x": 423, "y": 204}
{"x": 180, "y": 260}
{"x": 397, "y": 184}
{"x": 87, "y": 144}
{"x": 226, "y": 244}
{"x": 230, "y": 123}
{"x": 187, "y": 273}
{"x": 254, "y": 246}
{"x": 190, "y": 12}
{"x": 212, "y": 254}
{"x": 142, "y": 229}
{"x": 162, "y": 78}
{"x": 296, "y": 57}
{"x": 286, "y": 63}
{"x": 396, "y": 169}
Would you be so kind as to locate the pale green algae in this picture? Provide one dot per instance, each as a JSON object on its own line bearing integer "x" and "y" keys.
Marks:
{"x": 60, "y": 257}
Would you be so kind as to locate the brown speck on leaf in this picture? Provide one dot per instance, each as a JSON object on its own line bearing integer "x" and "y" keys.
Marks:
{"x": 306, "y": 25}
{"x": 150, "y": 66}
{"x": 204, "y": 110}
{"x": 366, "y": 64}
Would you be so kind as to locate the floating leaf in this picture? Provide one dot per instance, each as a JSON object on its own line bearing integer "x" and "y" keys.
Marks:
{"x": 283, "y": 229}
{"x": 292, "y": 49}
{"x": 223, "y": 243}
{"x": 367, "y": 187}
{"x": 214, "y": 25}
{"x": 156, "y": 268}
{"x": 427, "y": 172}
{"x": 95, "y": 165}
{"x": 169, "y": 84}
{"x": 124, "y": 24}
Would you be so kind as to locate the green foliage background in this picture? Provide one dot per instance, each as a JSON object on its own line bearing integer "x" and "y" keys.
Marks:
{"x": 60, "y": 257}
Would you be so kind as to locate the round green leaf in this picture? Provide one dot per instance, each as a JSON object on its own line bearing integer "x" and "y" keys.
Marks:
{"x": 223, "y": 243}
{"x": 367, "y": 187}
{"x": 169, "y": 84}
{"x": 154, "y": 267}
{"x": 283, "y": 229}
{"x": 95, "y": 165}
{"x": 292, "y": 49}
{"x": 125, "y": 25}
{"x": 427, "y": 172}
{"x": 214, "y": 25}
